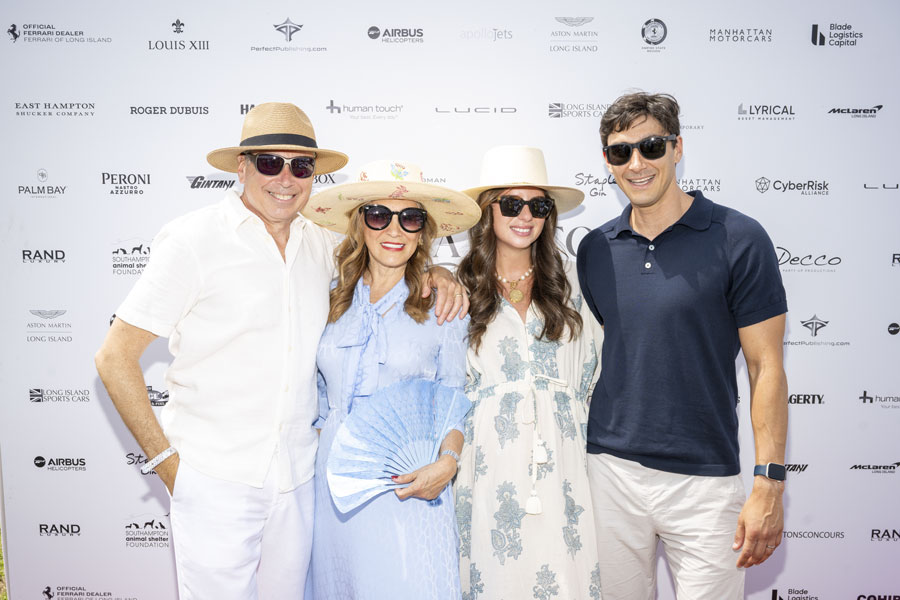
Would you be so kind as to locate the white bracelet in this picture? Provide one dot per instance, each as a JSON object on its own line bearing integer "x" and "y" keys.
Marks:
{"x": 452, "y": 454}
{"x": 151, "y": 464}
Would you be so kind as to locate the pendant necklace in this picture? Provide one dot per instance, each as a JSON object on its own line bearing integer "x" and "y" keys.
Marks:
{"x": 516, "y": 295}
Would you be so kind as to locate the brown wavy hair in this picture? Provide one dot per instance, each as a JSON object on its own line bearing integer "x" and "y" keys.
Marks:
{"x": 352, "y": 258}
{"x": 550, "y": 290}
{"x": 627, "y": 109}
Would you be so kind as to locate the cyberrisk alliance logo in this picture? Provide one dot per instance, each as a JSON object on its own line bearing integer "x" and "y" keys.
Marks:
{"x": 397, "y": 35}
{"x": 836, "y": 35}
{"x": 809, "y": 187}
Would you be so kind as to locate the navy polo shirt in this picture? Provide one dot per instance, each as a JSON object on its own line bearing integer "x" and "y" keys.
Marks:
{"x": 670, "y": 310}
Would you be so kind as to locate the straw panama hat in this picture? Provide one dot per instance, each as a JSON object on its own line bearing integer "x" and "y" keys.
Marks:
{"x": 521, "y": 166}
{"x": 277, "y": 126}
{"x": 451, "y": 211}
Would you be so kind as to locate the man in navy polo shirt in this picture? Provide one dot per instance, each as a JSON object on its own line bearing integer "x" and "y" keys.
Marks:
{"x": 681, "y": 285}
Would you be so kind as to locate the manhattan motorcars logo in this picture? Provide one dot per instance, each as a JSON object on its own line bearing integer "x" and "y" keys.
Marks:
{"x": 740, "y": 35}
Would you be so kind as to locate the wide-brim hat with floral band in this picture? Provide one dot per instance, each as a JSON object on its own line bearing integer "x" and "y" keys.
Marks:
{"x": 451, "y": 211}
{"x": 522, "y": 166}
{"x": 277, "y": 126}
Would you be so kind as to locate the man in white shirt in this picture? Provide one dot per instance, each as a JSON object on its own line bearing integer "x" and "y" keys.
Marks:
{"x": 240, "y": 288}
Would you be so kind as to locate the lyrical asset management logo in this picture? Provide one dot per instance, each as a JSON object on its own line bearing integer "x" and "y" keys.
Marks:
{"x": 765, "y": 112}
{"x": 397, "y": 35}
{"x": 43, "y": 190}
{"x": 575, "y": 37}
{"x": 654, "y": 32}
{"x": 177, "y": 44}
{"x": 809, "y": 187}
{"x": 836, "y": 35}
{"x": 382, "y": 112}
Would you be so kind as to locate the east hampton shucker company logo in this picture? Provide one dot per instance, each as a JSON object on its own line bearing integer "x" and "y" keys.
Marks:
{"x": 59, "y": 395}
{"x": 64, "y": 108}
{"x": 147, "y": 531}
{"x": 44, "y": 188}
{"x": 835, "y": 35}
{"x": 125, "y": 184}
{"x": 576, "y": 110}
{"x": 747, "y": 111}
{"x": 880, "y": 399}
{"x": 396, "y": 35}
{"x": 383, "y": 112}
{"x": 740, "y": 35}
{"x": 60, "y": 463}
{"x": 797, "y": 593}
{"x": 48, "y": 326}
{"x": 51, "y": 33}
{"x": 290, "y": 33}
{"x": 884, "y": 469}
{"x": 213, "y": 181}
{"x": 486, "y": 34}
{"x": 808, "y": 187}
{"x": 654, "y": 32}
{"x": 130, "y": 257}
{"x": 574, "y": 35}
{"x": 857, "y": 112}
{"x": 801, "y": 260}
{"x": 177, "y": 41}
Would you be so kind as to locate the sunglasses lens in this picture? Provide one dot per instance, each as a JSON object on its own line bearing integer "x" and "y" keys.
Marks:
{"x": 511, "y": 206}
{"x": 377, "y": 217}
{"x": 303, "y": 166}
{"x": 618, "y": 154}
{"x": 652, "y": 147}
{"x": 412, "y": 219}
{"x": 541, "y": 207}
{"x": 269, "y": 164}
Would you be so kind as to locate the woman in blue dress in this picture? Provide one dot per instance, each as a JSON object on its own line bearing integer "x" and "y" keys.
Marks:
{"x": 401, "y": 543}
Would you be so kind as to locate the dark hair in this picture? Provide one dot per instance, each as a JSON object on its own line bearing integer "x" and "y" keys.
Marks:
{"x": 550, "y": 290}
{"x": 629, "y": 108}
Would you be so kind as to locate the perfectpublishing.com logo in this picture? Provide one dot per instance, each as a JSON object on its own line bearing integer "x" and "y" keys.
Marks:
{"x": 288, "y": 28}
{"x": 814, "y": 325}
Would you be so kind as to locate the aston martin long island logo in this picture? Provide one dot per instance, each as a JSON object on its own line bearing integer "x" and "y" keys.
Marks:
{"x": 578, "y": 36}
{"x": 46, "y": 325}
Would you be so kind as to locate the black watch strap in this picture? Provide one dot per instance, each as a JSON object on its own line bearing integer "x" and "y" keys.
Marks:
{"x": 771, "y": 470}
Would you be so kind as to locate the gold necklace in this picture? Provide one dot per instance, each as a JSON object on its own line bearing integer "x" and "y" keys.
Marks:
{"x": 516, "y": 295}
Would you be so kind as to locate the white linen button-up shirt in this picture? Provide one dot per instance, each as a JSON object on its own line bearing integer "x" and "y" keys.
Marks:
{"x": 243, "y": 327}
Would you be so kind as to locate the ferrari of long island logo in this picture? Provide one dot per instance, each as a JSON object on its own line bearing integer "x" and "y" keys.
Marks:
{"x": 288, "y": 28}
{"x": 814, "y": 324}
{"x": 13, "y": 32}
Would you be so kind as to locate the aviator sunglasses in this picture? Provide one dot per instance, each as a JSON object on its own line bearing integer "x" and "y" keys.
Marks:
{"x": 302, "y": 167}
{"x": 651, "y": 148}
{"x": 378, "y": 217}
{"x": 511, "y": 206}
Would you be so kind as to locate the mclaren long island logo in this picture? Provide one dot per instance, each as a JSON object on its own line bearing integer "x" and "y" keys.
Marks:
{"x": 44, "y": 188}
{"x": 396, "y": 35}
{"x": 835, "y": 35}
{"x": 576, "y": 36}
{"x": 374, "y": 112}
{"x": 210, "y": 181}
{"x": 48, "y": 327}
{"x": 177, "y": 43}
{"x": 60, "y": 463}
{"x": 747, "y": 111}
{"x": 50, "y": 33}
{"x": 147, "y": 530}
{"x": 857, "y": 112}
{"x": 59, "y": 396}
{"x": 808, "y": 187}
{"x": 654, "y": 32}
{"x": 130, "y": 256}
{"x": 885, "y": 469}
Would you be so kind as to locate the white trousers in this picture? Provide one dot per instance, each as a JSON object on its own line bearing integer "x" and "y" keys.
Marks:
{"x": 237, "y": 542}
{"x": 694, "y": 517}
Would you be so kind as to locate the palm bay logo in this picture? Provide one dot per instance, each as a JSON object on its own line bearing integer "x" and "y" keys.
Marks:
{"x": 397, "y": 35}
{"x": 59, "y": 529}
{"x": 576, "y": 110}
{"x": 43, "y": 190}
{"x": 765, "y": 112}
{"x": 885, "y": 535}
{"x": 289, "y": 33}
{"x": 575, "y": 37}
{"x": 654, "y": 32}
{"x": 69, "y": 109}
{"x": 147, "y": 531}
{"x": 156, "y": 397}
{"x": 60, "y": 464}
{"x": 793, "y": 594}
{"x": 810, "y": 187}
{"x": 592, "y": 185}
{"x": 791, "y": 262}
{"x": 59, "y": 396}
{"x": 177, "y": 44}
{"x": 814, "y": 324}
{"x": 130, "y": 257}
{"x": 214, "y": 181}
{"x": 375, "y": 112}
{"x": 806, "y": 399}
{"x": 125, "y": 184}
{"x": 50, "y": 33}
{"x": 858, "y": 113}
{"x": 46, "y": 328}
{"x": 883, "y": 400}
{"x": 739, "y": 35}
{"x": 836, "y": 35}
{"x": 43, "y": 256}
{"x": 703, "y": 184}
{"x": 484, "y": 34}
{"x": 889, "y": 469}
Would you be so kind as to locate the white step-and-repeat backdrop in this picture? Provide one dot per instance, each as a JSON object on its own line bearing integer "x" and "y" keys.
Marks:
{"x": 790, "y": 114}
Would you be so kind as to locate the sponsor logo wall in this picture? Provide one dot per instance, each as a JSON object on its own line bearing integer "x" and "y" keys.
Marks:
{"x": 786, "y": 116}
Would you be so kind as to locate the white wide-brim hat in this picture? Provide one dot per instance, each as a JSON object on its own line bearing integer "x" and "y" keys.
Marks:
{"x": 451, "y": 211}
{"x": 522, "y": 166}
{"x": 277, "y": 126}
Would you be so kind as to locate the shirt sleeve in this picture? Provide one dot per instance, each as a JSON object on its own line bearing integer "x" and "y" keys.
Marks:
{"x": 451, "y": 360}
{"x": 167, "y": 288}
{"x": 582, "y": 270}
{"x": 756, "y": 292}
{"x": 322, "y": 393}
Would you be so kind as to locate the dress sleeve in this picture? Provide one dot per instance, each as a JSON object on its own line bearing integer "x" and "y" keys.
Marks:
{"x": 451, "y": 360}
{"x": 323, "y": 400}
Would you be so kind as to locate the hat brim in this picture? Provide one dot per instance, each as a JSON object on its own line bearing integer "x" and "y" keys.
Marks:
{"x": 327, "y": 161}
{"x": 566, "y": 198}
{"x": 453, "y": 212}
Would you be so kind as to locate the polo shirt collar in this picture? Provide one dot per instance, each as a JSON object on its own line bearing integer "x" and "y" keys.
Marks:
{"x": 237, "y": 214}
{"x": 698, "y": 216}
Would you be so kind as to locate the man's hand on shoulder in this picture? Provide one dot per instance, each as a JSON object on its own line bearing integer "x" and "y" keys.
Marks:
{"x": 452, "y": 299}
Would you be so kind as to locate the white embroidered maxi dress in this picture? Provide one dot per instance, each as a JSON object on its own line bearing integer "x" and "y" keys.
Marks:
{"x": 526, "y": 391}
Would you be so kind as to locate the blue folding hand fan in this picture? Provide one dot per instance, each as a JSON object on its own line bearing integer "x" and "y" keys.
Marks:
{"x": 395, "y": 431}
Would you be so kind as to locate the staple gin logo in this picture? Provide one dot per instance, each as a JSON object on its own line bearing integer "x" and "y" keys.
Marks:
{"x": 809, "y": 187}
{"x": 835, "y": 35}
{"x": 654, "y": 32}
{"x": 48, "y": 327}
{"x": 59, "y": 396}
{"x": 592, "y": 185}
{"x": 130, "y": 257}
{"x": 365, "y": 112}
{"x": 177, "y": 44}
{"x": 44, "y": 189}
{"x": 147, "y": 531}
{"x": 577, "y": 36}
{"x": 138, "y": 459}
{"x": 576, "y": 110}
{"x": 206, "y": 182}
{"x": 765, "y": 112}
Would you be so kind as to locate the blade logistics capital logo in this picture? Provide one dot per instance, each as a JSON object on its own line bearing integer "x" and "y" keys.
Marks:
{"x": 575, "y": 38}
{"x": 798, "y": 593}
{"x": 836, "y": 35}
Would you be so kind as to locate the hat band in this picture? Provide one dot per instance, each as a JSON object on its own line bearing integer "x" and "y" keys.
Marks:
{"x": 280, "y": 139}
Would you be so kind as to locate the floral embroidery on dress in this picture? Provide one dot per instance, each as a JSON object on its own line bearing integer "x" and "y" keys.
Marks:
{"x": 563, "y": 415}
{"x": 543, "y": 468}
{"x": 587, "y": 373}
{"x": 513, "y": 365}
{"x": 464, "y": 519}
{"x": 480, "y": 464}
{"x": 505, "y": 538}
{"x": 595, "y": 583}
{"x": 546, "y": 584}
{"x": 543, "y": 354}
{"x": 475, "y": 584}
{"x": 573, "y": 511}
{"x": 505, "y": 422}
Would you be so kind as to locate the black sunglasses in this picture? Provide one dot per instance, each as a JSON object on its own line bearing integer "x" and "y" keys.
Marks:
{"x": 651, "y": 148}
{"x": 378, "y": 217}
{"x": 302, "y": 167}
{"x": 511, "y": 206}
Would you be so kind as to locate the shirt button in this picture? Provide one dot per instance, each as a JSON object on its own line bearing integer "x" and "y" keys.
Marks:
{"x": 647, "y": 265}
{"x": 651, "y": 247}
